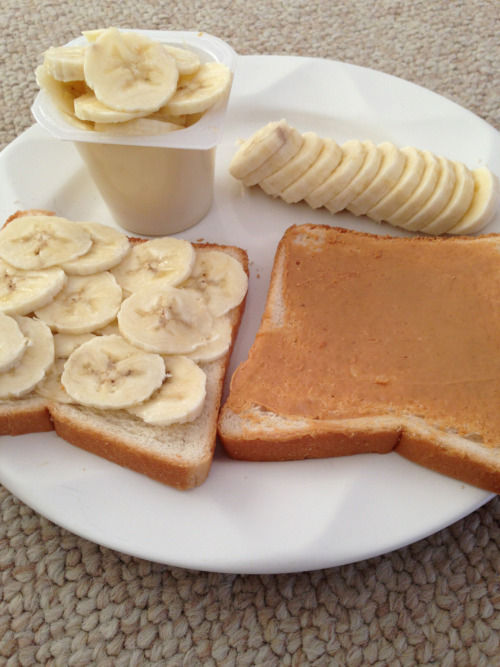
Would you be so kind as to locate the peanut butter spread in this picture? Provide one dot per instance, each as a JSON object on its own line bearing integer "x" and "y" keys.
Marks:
{"x": 365, "y": 325}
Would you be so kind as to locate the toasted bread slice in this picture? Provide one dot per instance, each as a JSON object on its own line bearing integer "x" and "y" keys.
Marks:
{"x": 179, "y": 455}
{"x": 375, "y": 344}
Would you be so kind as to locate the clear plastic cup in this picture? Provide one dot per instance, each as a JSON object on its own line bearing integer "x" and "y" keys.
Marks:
{"x": 153, "y": 185}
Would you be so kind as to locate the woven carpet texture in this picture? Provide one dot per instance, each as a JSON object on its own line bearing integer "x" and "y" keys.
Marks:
{"x": 65, "y": 601}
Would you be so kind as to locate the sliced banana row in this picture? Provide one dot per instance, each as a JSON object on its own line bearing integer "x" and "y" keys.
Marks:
{"x": 406, "y": 187}
{"x": 121, "y": 81}
{"x": 112, "y": 324}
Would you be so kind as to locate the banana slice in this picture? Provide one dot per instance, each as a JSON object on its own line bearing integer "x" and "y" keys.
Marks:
{"x": 111, "y": 328}
{"x": 109, "y": 247}
{"x": 165, "y": 319}
{"x": 186, "y": 60}
{"x": 294, "y": 168}
{"x": 164, "y": 260}
{"x": 421, "y": 194}
{"x": 139, "y": 127}
{"x": 107, "y": 372}
{"x": 181, "y": 397}
{"x": 21, "y": 292}
{"x": 255, "y": 150}
{"x": 65, "y": 63}
{"x": 83, "y": 305}
{"x": 41, "y": 241}
{"x": 353, "y": 156}
{"x": 92, "y": 35}
{"x": 365, "y": 175}
{"x": 183, "y": 121}
{"x": 88, "y": 107}
{"x": 389, "y": 173}
{"x": 277, "y": 160}
{"x": 404, "y": 188}
{"x": 484, "y": 203}
{"x": 63, "y": 95}
{"x": 438, "y": 199}
{"x": 51, "y": 386}
{"x": 66, "y": 344}
{"x": 37, "y": 358}
{"x": 130, "y": 72}
{"x": 199, "y": 91}
{"x": 327, "y": 161}
{"x": 217, "y": 347}
{"x": 219, "y": 279}
{"x": 12, "y": 343}
{"x": 458, "y": 204}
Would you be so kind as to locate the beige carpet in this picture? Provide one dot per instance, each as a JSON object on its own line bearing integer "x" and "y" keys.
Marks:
{"x": 65, "y": 601}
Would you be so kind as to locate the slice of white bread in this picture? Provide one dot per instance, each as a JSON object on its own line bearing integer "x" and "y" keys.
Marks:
{"x": 375, "y": 344}
{"x": 179, "y": 455}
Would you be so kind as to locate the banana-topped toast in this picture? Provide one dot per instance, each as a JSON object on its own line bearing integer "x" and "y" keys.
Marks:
{"x": 119, "y": 344}
{"x": 375, "y": 343}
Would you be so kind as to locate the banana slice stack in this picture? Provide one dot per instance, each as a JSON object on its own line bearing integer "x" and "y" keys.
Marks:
{"x": 406, "y": 187}
{"x": 88, "y": 317}
{"x": 125, "y": 82}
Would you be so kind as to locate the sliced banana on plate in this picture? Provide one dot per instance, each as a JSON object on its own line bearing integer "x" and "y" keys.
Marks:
{"x": 85, "y": 304}
{"x": 130, "y": 72}
{"x": 180, "y": 398}
{"x": 297, "y": 165}
{"x": 36, "y": 360}
{"x": 286, "y": 152}
{"x": 23, "y": 291}
{"x": 165, "y": 319}
{"x": 438, "y": 199}
{"x": 387, "y": 175}
{"x": 353, "y": 156}
{"x": 326, "y": 162}
{"x": 484, "y": 203}
{"x": 163, "y": 260}
{"x": 109, "y": 247}
{"x": 411, "y": 206}
{"x": 12, "y": 343}
{"x": 253, "y": 152}
{"x": 108, "y": 372}
{"x": 405, "y": 187}
{"x": 41, "y": 241}
{"x": 458, "y": 203}
{"x": 219, "y": 279}
{"x": 360, "y": 181}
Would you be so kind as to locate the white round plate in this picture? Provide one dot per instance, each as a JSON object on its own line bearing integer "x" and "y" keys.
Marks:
{"x": 251, "y": 517}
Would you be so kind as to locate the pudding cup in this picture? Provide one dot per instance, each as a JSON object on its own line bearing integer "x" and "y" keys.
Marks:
{"x": 153, "y": 185}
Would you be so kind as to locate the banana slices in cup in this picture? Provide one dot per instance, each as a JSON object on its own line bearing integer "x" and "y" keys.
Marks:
{"x": 121, "y": 76}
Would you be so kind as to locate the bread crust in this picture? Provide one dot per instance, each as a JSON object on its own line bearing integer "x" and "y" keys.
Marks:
{"x": 180, "y": 474}
{"x": 35, "y": 414}
{"x": 30, "y": 415}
